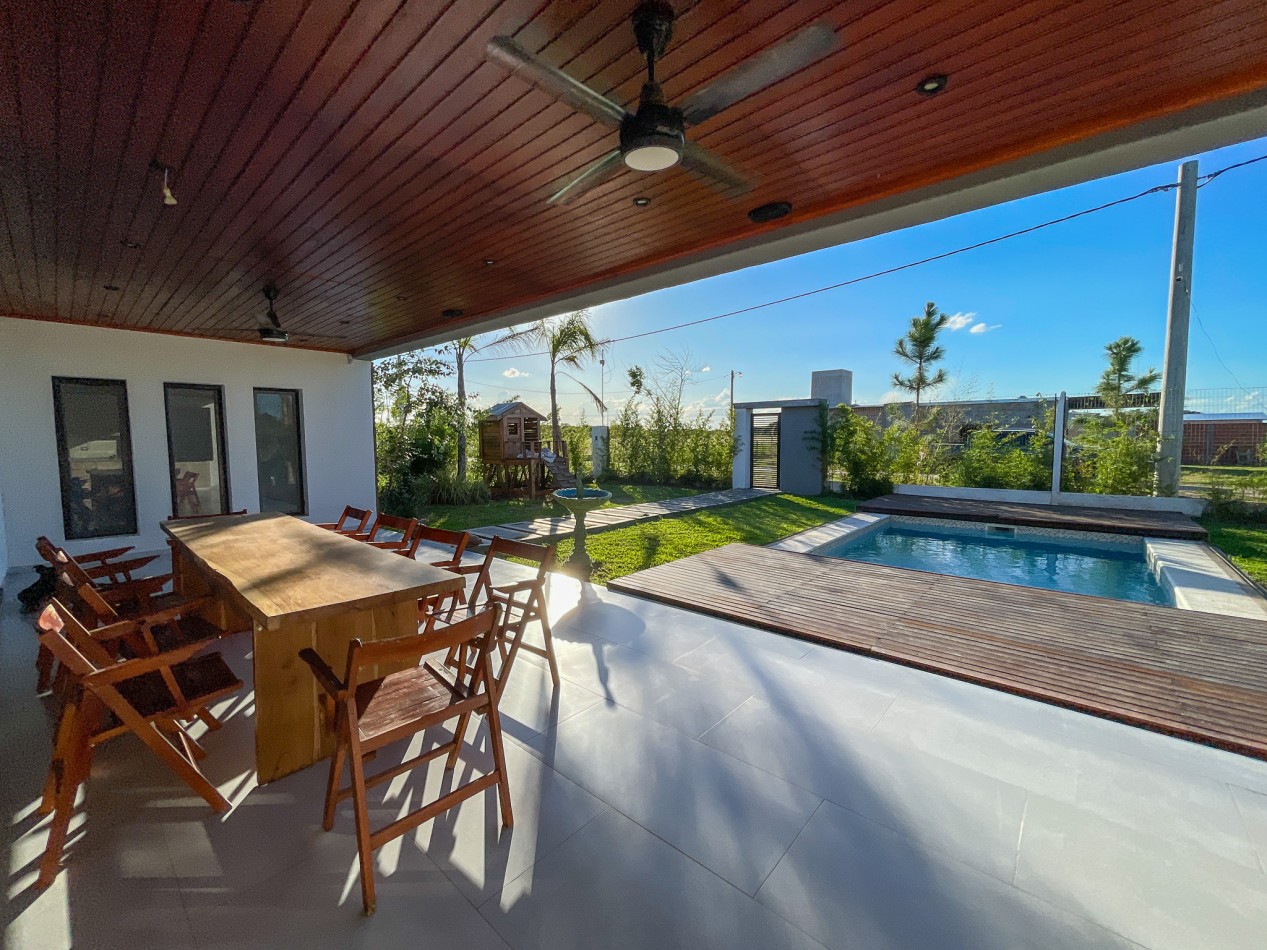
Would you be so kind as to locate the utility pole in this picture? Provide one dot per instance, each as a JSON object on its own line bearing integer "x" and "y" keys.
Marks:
{"x": 1174, "y": 374}
{"x": 733, "y": 374}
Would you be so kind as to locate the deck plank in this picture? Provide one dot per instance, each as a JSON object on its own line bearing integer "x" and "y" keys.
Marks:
{"x": 1155, "y": 524}
{"x": 1193, "y": 675}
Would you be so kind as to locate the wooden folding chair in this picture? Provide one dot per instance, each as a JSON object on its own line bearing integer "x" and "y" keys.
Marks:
{"x": 520, "y": 604}
{"x": 371, "y": 714}
{"x": 99, "y": 565}
{"x": 147, "y": 696}
{"x": 388, "y": 523}
{"x": 352, "y": 521}
{"x": 457, "y": 542}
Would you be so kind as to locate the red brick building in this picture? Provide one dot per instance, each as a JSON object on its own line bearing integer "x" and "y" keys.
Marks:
{"x": 1224, "y": 438}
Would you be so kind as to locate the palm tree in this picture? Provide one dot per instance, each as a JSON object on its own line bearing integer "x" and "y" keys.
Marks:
{"x": 919, "y": 348}
{"x": 462, "y": 348}
{"x": 567, "y": 341}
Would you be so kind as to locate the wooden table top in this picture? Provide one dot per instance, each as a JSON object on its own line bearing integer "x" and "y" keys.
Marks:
{"x": 281, "y": 568}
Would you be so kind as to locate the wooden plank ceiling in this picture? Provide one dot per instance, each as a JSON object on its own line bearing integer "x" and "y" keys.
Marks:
{"x": 369, "y": 160}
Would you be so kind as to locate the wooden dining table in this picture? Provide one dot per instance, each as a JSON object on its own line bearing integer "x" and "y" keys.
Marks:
{"x": 295, "y": 585}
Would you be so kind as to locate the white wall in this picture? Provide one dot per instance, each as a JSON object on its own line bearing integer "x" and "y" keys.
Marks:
{"x": 741, "y": 465}
{"x": 337, "y": 422}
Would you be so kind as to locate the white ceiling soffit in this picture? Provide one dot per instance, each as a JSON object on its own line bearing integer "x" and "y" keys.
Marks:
{"x": 1149, "y": 143}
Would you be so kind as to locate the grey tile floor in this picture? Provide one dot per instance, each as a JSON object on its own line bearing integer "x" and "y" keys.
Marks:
{"x": 693, "y": 783}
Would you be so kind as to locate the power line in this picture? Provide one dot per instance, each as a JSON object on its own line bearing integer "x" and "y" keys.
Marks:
{"x": 1158, "y": 189}
{"x": 1227, "y": 369}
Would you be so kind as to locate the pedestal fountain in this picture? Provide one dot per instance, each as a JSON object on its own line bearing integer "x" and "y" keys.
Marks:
{"x": 580, "y": 502}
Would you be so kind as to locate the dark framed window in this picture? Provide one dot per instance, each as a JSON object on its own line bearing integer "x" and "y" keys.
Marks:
{"x": 279, "y": 451}
{"x": 196, "y": 449}
{"x": 94, "y": 457}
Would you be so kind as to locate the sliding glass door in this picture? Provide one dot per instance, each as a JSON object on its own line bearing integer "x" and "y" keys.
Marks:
{"x": 279, "y": 451}
{"x": 196, "y": 450}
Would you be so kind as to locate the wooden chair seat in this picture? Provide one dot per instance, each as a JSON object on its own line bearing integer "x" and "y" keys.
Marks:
{"x": 185, "y": 630}
{"x": 201, "y": 680}
{"x": 398, "y": 701}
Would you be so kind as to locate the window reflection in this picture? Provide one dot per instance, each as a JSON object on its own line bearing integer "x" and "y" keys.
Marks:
{"x": 279, "y": 451}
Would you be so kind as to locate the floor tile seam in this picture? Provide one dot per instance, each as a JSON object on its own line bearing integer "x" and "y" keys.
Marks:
{"x": 1240, "y": 812}
{"x": 496, "y": 894}
{"x": 880, "y": 718}
{"x": 729, "y": 883}
{"x": 701, "y": 736}
{"x": 795, "y": 838}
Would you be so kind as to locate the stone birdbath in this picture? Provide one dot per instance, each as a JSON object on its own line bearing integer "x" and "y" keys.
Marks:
{"x": 579, "y": 502}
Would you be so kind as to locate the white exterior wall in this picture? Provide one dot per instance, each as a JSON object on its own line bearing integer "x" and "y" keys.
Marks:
{"x": 337, "y": 422}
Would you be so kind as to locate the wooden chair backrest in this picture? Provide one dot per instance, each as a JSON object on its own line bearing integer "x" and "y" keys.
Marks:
{"x": 474, "y": 631}
{"x": 540, "y": 554}
{"x": 47, "y": 550}
{"x": 353, "y": 519}
{"x": 393, "y": 523}
{"x": 70, "y": 641}
{"x": 458, "y": 540}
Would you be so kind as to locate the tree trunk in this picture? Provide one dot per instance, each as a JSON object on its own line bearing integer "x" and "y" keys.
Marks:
{"x": 554, "y": 413}
{"x": 461, "y": 367}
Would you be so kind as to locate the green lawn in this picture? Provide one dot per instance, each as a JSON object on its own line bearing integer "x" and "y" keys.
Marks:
{"x": 464, "y": 517}
{"x": 625, "y": 550}
{"x": 1244, "y": 542}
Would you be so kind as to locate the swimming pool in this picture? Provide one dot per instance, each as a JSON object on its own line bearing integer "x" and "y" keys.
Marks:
{"x": 1072, "y": 561}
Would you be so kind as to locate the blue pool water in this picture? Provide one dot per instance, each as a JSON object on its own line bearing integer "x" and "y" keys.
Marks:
{"x": 1117, "y": 570}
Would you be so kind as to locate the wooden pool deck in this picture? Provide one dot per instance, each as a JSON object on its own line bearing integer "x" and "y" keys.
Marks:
{"x": 1198, "y": 676}
{"x": 1153, "y": 524}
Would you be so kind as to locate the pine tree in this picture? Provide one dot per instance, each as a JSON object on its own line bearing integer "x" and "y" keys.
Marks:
{"x": 920, "y": 348}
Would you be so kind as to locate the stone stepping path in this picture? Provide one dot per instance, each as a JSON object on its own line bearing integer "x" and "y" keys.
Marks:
{"x": 604, "y": 519}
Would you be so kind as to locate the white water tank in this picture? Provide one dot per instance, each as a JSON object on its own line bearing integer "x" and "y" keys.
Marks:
{"x": 833, "y": 385}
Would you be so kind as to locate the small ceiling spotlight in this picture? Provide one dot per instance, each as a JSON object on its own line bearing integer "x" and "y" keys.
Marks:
{"x": 130, "y": 245}
{"x": 110, "y": 286}
{"x": 168, "y": 198}
{"x": 402, "y": 296}
{"x": 769, "y": 212}
{"x": 641, "y": 201}
{"x": 452, "y": 312}
{"x": 489, "y": 262}
{"x": 931, "y": 85}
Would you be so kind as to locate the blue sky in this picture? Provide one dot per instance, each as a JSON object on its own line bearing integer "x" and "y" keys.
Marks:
{"x": 1042, "y": 306}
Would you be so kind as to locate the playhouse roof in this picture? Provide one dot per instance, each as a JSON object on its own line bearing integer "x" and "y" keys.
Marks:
{"x": 518, "y": 408}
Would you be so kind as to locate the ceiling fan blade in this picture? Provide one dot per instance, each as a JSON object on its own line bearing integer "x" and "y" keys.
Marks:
{"x": 595, "y": 174}
{"x": 765, "y": 69}
{"x": 704, "y": 164}
{"x": 506, "y": 52}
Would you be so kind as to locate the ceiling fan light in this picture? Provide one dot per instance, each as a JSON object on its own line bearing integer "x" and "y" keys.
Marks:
{"x": 273, "y": 335}
{"x": 652, "y": 158}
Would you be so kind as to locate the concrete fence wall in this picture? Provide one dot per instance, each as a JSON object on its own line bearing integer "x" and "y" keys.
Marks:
{"x": 1187, "y": 506}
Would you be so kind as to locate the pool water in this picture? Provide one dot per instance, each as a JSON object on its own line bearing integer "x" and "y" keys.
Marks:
{"x": 1116, "y": 568}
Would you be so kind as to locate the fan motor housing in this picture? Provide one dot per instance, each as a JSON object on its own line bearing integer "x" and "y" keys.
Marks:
{"x": 654, "y": 138}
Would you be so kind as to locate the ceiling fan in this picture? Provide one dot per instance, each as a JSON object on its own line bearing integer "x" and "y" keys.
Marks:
{"x": 654, "y": 137}
{"x": 270, "y": 329}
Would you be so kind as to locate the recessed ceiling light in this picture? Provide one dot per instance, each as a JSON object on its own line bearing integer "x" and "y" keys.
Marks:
{"x": 130, "y": 245}
{"x": 402, "y": 296}
{"x": 931, "y": 85}
{"x": 769, "y": 212}
{"x": 642, "y": 201}
{"x": 489, "y": 262}
{"x": 452, "y": 312}
{"x": 110, "y": 286}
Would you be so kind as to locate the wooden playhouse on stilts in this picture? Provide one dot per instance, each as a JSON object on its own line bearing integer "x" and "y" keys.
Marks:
{"x": 517, "y": 453}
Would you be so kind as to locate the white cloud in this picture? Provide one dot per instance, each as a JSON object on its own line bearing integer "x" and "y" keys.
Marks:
{"x": 894, "y": 396}
{"x": 513, "y": 373}
{"x": 706, "y": 369}
{"x": 984, "y": 328}
{"x": 960, "y": 320}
